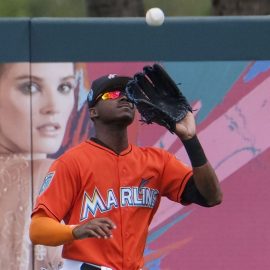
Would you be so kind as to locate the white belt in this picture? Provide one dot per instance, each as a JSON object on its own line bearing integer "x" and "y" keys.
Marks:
{"x": 76, "y": 265}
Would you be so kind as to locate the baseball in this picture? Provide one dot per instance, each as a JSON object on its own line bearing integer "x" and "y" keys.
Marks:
{"x": 154, "y": 17}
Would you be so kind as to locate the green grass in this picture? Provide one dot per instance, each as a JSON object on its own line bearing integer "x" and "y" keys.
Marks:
{"x": 181, "y": 7}
{"x": 71, "y": 8}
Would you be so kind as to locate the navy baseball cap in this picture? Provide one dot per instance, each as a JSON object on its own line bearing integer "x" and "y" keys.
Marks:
{"x": 107, "y": 83}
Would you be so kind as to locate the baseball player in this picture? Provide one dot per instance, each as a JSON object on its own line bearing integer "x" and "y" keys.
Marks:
{"x": 107, "y": 191}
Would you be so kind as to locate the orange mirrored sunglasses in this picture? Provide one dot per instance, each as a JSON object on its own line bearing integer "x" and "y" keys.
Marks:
{"x": 110, "y": 95}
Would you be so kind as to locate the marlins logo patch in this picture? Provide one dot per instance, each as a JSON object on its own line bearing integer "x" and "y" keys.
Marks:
{"x": 47, "y": 181}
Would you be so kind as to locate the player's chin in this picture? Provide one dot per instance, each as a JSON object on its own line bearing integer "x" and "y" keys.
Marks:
{"x": 127, "y": 118}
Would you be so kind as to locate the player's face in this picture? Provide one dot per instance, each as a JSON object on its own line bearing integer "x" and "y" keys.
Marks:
{"x": 48, "y": 96}
{"x": 115, "y": 110}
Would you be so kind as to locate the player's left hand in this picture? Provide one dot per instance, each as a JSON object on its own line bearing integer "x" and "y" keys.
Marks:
{"x": 97, "y": 228}
{"x": 186, "y": 128}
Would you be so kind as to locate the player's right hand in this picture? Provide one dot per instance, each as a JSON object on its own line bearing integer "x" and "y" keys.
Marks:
{"x": 98, "y": 228}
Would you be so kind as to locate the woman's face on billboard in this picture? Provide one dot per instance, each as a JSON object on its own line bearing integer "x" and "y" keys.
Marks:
{"x": 40, "y": 95}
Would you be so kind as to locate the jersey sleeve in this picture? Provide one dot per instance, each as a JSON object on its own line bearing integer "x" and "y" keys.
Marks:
{"x": 174, "y": 178}
{"x": 58, "y": 191}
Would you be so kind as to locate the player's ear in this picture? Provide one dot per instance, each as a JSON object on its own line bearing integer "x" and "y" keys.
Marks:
{"x": 93, "y": 112}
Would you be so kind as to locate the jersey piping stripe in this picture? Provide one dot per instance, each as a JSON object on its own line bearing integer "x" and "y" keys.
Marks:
{"x": 42, "y": 206}
{"x": 125, "y": 152}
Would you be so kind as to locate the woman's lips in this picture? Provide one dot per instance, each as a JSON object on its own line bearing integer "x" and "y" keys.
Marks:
{"x": 49, "y": 129}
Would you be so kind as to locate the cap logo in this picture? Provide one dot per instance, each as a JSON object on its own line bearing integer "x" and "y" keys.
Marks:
{"x": 111, "y": 76}
{"x": 90, "y": 95}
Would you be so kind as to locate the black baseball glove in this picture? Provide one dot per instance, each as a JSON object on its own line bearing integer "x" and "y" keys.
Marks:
{"x": 157, "y": 97}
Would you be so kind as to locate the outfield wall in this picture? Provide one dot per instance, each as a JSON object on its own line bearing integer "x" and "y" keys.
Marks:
{"x": 223, "y": 67}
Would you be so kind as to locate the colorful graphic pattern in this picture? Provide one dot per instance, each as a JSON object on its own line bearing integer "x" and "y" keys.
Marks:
{"x": 232, "y": 107}
{"x": 233, "y": 110}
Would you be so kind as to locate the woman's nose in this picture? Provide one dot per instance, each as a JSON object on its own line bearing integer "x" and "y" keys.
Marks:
{"x": 50, "y": 104}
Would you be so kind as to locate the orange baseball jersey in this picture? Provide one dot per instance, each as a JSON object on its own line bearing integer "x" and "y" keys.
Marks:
{"x": 91, "y": 181}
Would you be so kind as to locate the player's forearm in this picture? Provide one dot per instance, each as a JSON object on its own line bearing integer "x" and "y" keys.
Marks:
{"x": 207, "y": 184}
{"x": 204, "y": 175}
{"x": 49, "y": 232}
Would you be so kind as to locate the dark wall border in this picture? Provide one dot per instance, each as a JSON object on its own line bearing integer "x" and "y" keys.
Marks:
{"x": 178, "y": 39}
{"x": 130, "y": 39}
{"x": 14, "y": 39}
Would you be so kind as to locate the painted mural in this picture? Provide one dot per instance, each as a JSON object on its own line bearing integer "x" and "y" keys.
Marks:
{"x": 234, "y": 130}
{"x": 232, "y": 107}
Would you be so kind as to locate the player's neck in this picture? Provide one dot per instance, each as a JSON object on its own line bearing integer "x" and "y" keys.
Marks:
{"x": 115, "y": 139}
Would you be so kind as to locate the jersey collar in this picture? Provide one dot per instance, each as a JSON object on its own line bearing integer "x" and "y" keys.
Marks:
{"x": 98, "y": 143}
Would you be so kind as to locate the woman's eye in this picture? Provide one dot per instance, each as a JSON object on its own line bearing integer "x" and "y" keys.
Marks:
{"x": 29, "y": 88}
{"x": 66, "y": 88}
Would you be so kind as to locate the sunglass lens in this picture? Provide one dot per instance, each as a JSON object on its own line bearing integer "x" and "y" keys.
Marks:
{"x": 111, "y": 95}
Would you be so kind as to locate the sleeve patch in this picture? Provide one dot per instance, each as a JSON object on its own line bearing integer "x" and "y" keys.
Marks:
{"x": 46, "y": 182}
